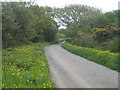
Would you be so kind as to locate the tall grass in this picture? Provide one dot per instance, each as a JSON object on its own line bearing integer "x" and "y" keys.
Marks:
{"x": 26, "y": 67}
{"x": 105, "y": 58}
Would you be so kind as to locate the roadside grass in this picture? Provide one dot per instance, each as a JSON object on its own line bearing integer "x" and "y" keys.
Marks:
{"x": 26, "y": 67}
{"x": 105, "y": 58}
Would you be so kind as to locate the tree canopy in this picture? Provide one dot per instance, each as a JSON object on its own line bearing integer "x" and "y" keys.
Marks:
{"x": 24, "y": 22}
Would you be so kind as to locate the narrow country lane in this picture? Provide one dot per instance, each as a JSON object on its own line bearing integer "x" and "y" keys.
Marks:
{"x": 71, "y": 71}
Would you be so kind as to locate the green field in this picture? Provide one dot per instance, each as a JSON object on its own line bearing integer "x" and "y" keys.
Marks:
{"x": 105, "y": 58}
{"x": 26, "y": 67}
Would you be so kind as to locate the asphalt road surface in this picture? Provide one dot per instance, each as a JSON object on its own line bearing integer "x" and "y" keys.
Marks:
{"x": 71, "y": 71}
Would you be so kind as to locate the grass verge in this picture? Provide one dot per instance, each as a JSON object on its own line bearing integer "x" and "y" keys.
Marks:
{"x": 105, "y": 58}
{"x": 26, "y": 67}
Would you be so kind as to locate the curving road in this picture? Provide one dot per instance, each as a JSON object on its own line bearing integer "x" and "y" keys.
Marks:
{"x": 71, "y": 71}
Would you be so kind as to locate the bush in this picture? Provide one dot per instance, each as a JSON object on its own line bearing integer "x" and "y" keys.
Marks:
{"x": 37, "y": 38}
{"x": 68, "y": 39}
{"x": 101, "y": 34}
{"x": 61, "y": 40}
{"x": 112, "y": 45}
{"x": 85, "y": 40}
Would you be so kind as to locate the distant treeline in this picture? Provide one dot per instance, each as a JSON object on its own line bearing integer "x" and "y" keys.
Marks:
{"x": 85, "y": 26}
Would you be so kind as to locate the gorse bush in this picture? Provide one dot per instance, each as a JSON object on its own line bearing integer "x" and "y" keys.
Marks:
{"x": 93, "y": 30}
{"x": 100, "y": 38}
{"x": 26, "y": 67}
{"x": 105, "y": 58}
{"x": 103, "y": 34}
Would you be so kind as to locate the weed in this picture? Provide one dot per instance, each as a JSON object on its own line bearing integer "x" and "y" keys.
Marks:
{"x": 26, "y": 67}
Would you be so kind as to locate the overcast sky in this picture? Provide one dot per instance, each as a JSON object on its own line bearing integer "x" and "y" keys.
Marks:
{"x": 104, "y": 5}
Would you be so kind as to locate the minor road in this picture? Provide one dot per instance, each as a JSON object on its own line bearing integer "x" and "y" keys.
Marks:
{"x": 71, "y": 71}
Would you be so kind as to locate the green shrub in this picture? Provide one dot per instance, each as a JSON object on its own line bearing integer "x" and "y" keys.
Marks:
{"x": 68, "y": 39}
{"x": 112, "y": 45}
{"x": 61, "y": 40}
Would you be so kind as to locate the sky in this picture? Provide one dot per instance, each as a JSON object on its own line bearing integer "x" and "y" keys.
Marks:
{"x": 104, "y": 5}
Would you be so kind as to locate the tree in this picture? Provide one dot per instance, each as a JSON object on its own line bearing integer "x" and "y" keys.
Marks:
{"x": 74, "y": 13}
{"x": 46, "y": 28}
{"x": 24, "y": 18}
{"x": 9, "y": 27}
{"x": 17, "y": 20}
